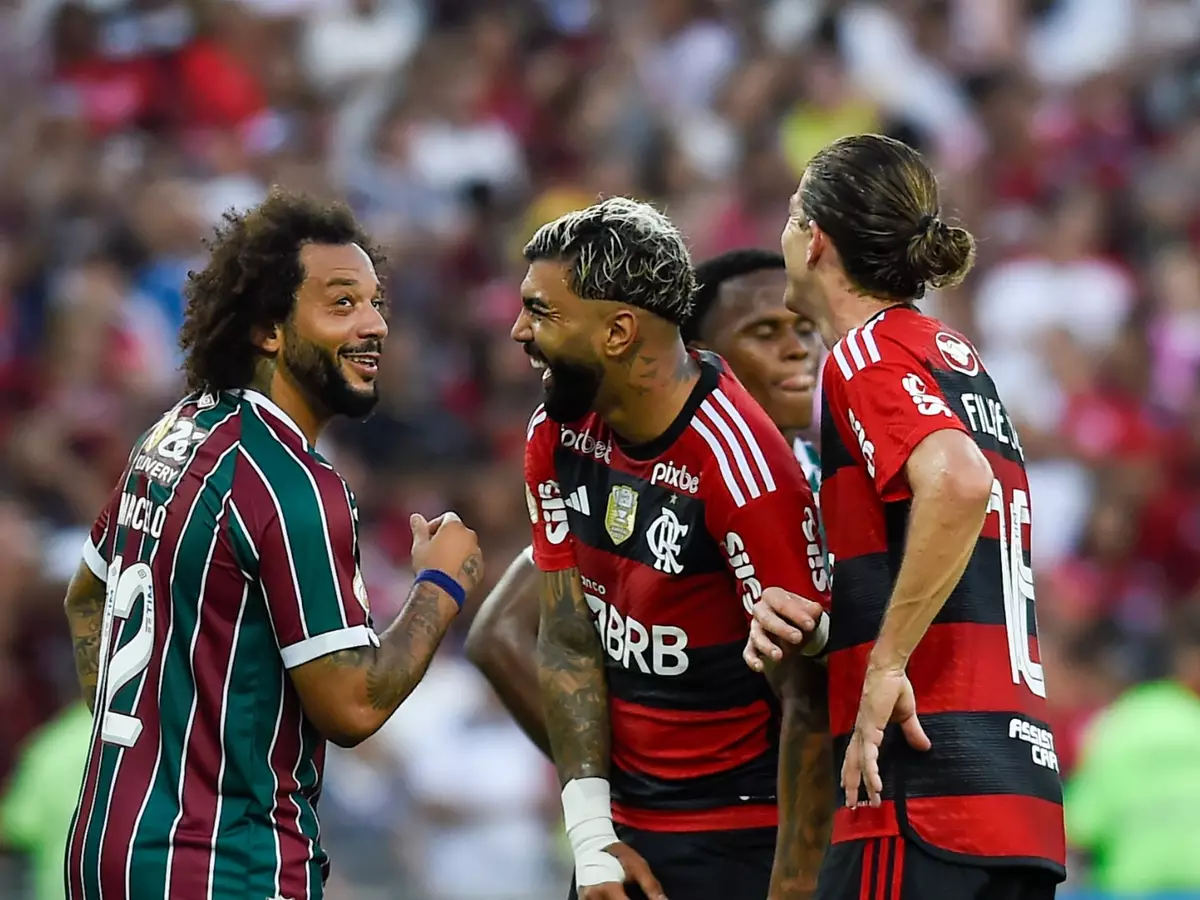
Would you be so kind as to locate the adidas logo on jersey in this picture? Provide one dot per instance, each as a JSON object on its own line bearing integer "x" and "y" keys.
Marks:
{"x": 578, "y": 501}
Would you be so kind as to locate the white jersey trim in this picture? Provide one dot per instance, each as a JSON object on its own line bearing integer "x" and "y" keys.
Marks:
{"x": 539, "y": 416}
{"x": 265, "y": 402}
{"x": 318, "y": 645}
{"x": 739, "y": 422}
{"x": 861, "y": 346}
{"x": 94, "y": 560}
{"x": 729, "y": 437}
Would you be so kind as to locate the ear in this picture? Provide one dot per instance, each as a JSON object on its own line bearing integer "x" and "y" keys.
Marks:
{"x": 817, "y": 240}
{"x": 622, "y": 334}
{"x": 269, "y": 340}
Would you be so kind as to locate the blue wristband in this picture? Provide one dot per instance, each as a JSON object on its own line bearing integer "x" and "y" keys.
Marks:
{"x": 440, "y": 579}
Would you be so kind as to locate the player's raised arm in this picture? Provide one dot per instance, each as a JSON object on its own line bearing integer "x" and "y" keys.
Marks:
{"x": 303, "y": 546}
{"x": 350, "y": 693}
{"x": 774, "y": 540}
{"x": 502, "y": 643}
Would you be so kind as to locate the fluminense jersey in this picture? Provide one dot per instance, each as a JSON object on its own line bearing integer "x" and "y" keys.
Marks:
{"x": 988, "y": 792}
{"x": 674, "y": 540}
{"x": 810, "y": 465}
{"x": 230, "y": 554}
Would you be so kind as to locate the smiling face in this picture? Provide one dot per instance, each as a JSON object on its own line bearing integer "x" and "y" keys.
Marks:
{"x": 773, "y": 351}
{"x": 557, "y": 328}
{"x": 330, "y": 345}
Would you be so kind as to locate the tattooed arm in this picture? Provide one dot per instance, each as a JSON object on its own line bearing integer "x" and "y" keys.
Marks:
{"x": 349, "y": 694}
{"x": 502, "y": 643}
{"x": 806, "y": 777}
{"x": 571, "y": 675}
{"x": 85, "y": 614}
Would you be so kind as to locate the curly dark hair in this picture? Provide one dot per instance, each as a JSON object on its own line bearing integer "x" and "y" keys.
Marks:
{"x": 251, "y": 280}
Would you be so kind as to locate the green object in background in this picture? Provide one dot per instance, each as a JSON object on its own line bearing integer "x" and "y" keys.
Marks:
{"x": 1134, "y": 801}
{"x": 36, "y": 811}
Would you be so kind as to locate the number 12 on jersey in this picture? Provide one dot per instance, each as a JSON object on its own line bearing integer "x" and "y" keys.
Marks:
{"x": 1017, "y": 579}
{"x": 122, "y": 591}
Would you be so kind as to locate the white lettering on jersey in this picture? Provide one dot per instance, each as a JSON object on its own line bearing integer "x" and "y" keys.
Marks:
{"x": 739, "y": 457}
{"x": 626, "y": 641}
{"x": 1041, "y": 742}
{"x": 743, "y": 570}
{"x": 663, "y": 537}
{"x": 816, "y": 554}
{"x": 139, "y": 514}
{"x": 927, "y": 404}
{"x": 675, "y": 476}
{"x": 989, "y": 416}
{"x": 553, "y": 511}
{"x": 583, "y": 442}
{"x": 865, "y": 446}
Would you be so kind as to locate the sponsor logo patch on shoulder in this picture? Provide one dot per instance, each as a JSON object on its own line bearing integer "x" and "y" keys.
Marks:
{"x": 958, "y": 354}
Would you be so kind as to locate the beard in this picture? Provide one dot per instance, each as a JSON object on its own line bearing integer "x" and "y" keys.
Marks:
{"x": 319, "y": 374}
{"x": 570, "y": 388}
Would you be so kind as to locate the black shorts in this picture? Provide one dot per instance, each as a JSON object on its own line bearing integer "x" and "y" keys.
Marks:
{"x": 897, "y": 869}
{"x": 704, "y": 865}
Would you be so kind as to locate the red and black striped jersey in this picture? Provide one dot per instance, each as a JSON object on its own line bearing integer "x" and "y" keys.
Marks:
{"x": 989, "y": 790}
{"x": 674, "y": 541}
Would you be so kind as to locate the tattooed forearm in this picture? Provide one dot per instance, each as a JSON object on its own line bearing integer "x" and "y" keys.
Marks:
{"x": 85, "y": 614}
{"x": 571, "y": 675}
{"x": 806, "y": 779}
{"x": 394, "y": 668}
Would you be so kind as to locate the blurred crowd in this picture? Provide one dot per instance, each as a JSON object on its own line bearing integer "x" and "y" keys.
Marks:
{"x": 1066, "y": 134}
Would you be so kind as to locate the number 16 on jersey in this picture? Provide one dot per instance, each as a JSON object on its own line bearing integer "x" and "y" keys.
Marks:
{"x": 1017, "y": 580}
{"x": 122, "y": 591}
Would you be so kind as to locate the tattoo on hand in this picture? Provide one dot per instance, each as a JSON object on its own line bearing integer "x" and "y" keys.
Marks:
{"x": 571, "y": 674}
{"x": 471, "y": 571}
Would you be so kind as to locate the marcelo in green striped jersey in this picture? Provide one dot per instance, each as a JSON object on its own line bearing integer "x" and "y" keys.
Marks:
{"x": 221, "y": 625}
{"x": 739, "y": 314}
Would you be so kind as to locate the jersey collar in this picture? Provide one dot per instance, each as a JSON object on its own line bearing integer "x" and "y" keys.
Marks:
{"x": 262, "y": 401}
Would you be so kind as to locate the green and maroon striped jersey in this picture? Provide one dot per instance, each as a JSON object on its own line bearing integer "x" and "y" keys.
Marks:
{"x": 229, "y": 551}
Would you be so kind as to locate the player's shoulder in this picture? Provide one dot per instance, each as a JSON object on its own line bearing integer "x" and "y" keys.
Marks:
{"x": 588, "y": 436}
{"x": 739, "y": 451}
{"x": 539, "y": 423}
{"x": 284, "y": 463}
{"x": 896, "y": 336}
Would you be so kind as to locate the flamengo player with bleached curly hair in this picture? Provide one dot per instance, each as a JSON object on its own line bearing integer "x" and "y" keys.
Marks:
{"x": 656, "y": 487}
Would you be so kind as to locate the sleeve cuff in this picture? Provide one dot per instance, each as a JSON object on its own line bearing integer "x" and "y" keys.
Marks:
{"x": 94, "y": 561}
{"x": 319, "y": 645}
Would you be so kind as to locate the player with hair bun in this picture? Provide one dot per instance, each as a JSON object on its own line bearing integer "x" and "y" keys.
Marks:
{"x": 927, "y": 511}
